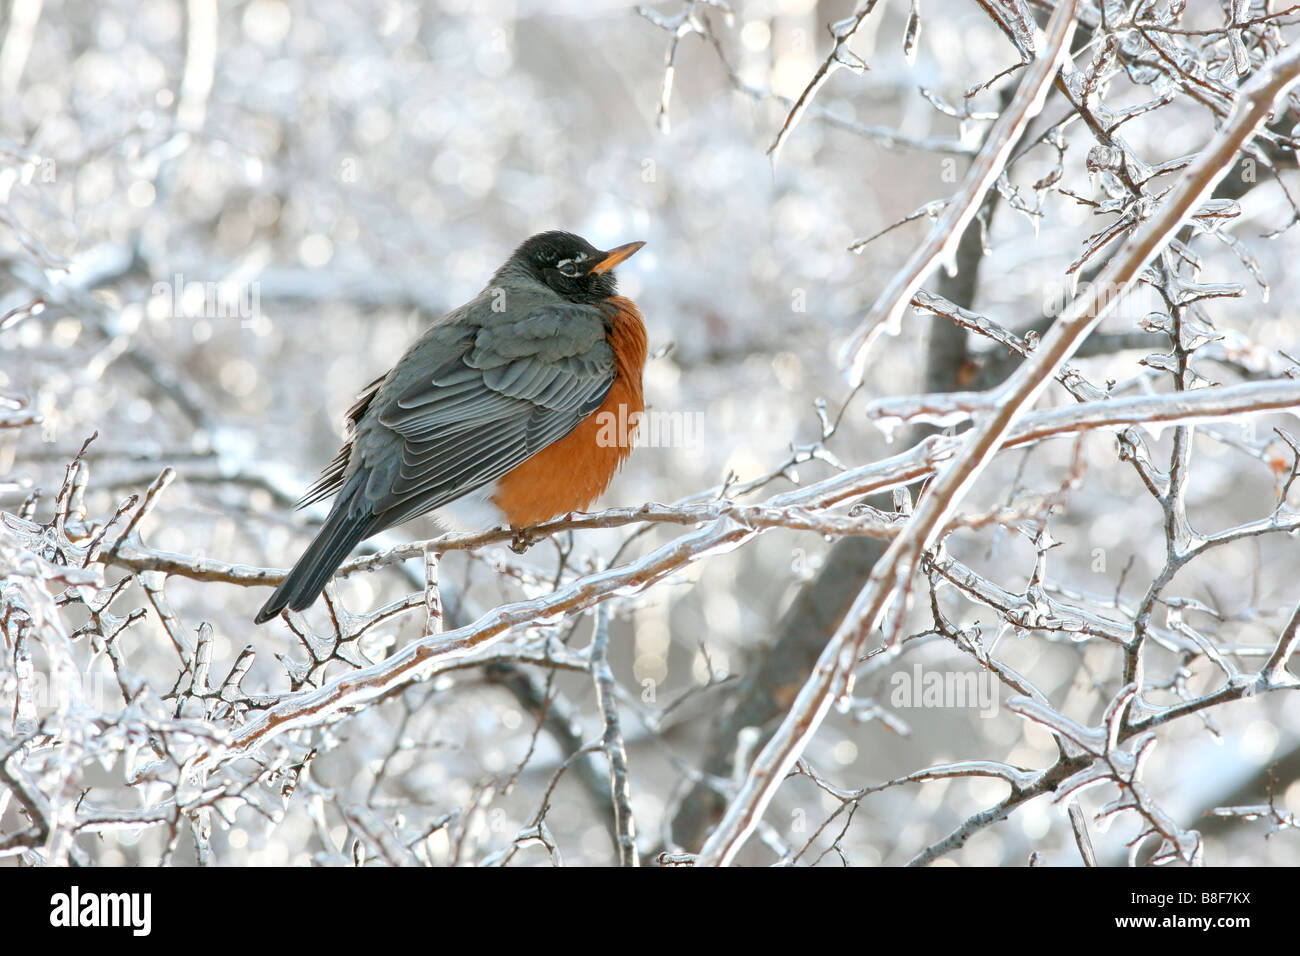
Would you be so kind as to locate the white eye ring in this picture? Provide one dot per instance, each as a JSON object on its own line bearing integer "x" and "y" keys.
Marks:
{"x": 567, "y": 267}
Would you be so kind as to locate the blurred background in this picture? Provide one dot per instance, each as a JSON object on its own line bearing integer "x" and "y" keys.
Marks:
{"x": 222, "y": 219}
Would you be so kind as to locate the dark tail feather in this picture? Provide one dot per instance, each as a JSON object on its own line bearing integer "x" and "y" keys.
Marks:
{"x": 343, "y": 529}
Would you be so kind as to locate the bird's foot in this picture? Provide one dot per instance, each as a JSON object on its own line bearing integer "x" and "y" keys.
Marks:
{"x": 522, "y": 540}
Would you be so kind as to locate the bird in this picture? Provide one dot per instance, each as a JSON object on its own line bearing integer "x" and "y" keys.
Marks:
{"x": 498, "y": 414}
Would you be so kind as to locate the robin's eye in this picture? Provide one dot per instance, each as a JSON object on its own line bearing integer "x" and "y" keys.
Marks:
{"x": 568, "y": 267}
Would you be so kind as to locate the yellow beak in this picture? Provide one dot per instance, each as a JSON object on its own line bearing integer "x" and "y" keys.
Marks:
{"x": 615, "y": 256}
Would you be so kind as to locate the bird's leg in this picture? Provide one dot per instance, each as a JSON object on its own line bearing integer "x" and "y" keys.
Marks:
{"x": 522, "y": 540}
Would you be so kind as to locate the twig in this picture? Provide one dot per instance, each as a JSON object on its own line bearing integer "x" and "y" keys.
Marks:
{"x": 612, "y": 742}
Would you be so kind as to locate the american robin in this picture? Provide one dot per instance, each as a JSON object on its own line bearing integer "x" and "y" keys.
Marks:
{"x": 494, "y": 415}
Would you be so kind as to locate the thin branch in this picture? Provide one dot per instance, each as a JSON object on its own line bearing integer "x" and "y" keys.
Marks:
{"x": 946, "y": 233}
{"x": 612, "y": 742}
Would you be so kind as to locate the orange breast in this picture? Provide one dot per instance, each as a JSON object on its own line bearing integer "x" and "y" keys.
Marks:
{"x": 570, "y": 474}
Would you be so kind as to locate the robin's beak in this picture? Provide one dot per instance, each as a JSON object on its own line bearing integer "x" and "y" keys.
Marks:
{"x": 615, "y": 256}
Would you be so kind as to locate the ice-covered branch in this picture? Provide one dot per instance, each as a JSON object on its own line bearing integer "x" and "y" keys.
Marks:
{"x": 941, "y": 245}
{"x": 890, "y": 579}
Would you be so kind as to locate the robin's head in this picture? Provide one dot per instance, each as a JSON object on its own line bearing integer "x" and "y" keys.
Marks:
{"x": 571, "y": 265}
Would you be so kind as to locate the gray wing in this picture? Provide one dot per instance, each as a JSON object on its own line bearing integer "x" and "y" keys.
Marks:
{"x": 331, "y": 479}
{"x": 514, "y": 387}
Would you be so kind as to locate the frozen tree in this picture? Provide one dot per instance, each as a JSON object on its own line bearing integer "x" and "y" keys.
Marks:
{"x": 1014, "y": 579}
